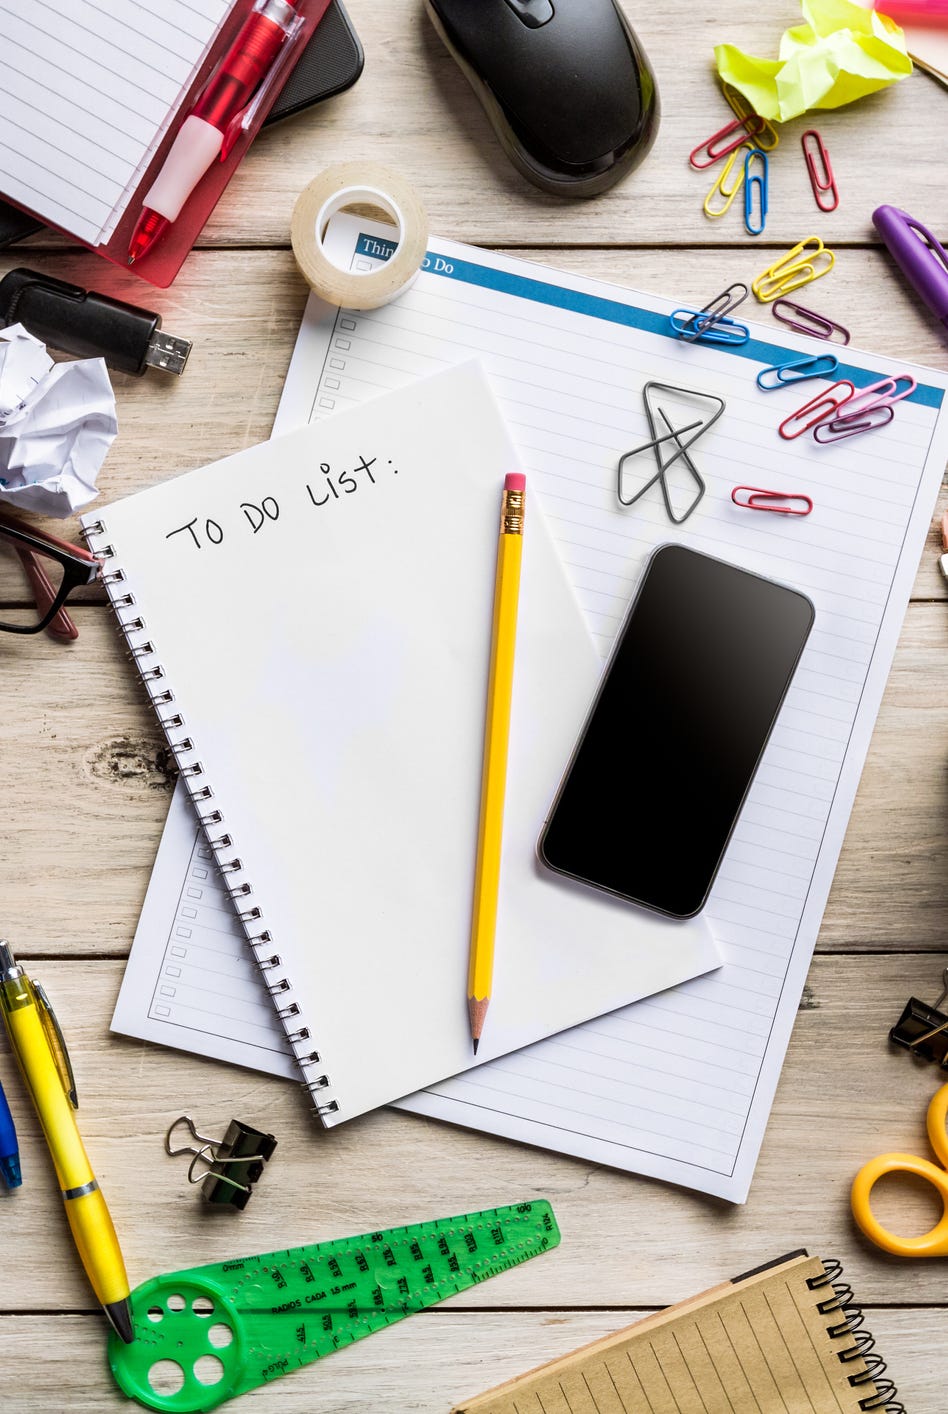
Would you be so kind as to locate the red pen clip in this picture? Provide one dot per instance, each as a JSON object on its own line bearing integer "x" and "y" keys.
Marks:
{"x": 780, "y": 502}
{"x": 746, "y": 127}
{"x": 822, "y": 406}
{"x": 823, "y": 182}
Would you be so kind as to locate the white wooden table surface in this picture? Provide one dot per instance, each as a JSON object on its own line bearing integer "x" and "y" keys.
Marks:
{"x": 87, "y": 784}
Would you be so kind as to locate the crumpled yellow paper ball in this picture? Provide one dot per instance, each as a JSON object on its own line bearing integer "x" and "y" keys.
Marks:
{"x": 842, "y": 53}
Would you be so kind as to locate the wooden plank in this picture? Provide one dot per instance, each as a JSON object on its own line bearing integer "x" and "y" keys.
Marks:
{"x": 421, "y": 1366}
{"x": 626, "y": 1240}
{"x": 243, "y": 309}
{"x": 88, "y": 781}
{"x": 413, "y": 111}
{"x": 891, "y": 883}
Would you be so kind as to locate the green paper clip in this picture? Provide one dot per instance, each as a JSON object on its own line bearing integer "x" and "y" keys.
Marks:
{"x": 226, "y": 1328}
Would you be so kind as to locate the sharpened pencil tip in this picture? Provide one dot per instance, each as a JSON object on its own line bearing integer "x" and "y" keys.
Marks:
{"x": 477, "y": 1012}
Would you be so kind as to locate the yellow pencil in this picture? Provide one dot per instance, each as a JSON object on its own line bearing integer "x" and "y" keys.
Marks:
{"x": 496, "y": 736}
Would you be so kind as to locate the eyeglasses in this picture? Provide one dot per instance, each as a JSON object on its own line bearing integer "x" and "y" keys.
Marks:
{"x": 38, "y": 573}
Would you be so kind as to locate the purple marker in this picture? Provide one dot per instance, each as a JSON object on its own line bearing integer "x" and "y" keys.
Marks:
{"x": 921, "y": 258}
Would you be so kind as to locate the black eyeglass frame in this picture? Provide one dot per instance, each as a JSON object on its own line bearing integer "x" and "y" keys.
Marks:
{"x": 79, "y": 567}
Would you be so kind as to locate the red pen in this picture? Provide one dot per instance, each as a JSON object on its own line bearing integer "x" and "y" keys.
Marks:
{"x": 210, "y": 128}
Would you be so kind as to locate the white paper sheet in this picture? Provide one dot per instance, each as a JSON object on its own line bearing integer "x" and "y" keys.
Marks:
{"x": 87, "y": 91}
{"x": 57, "y": 422}
{"x": 680, "y": 1086}
{"x": 337, "y": 711}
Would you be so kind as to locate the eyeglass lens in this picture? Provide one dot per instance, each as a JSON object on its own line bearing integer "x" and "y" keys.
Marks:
{"x": 29, "y": 581}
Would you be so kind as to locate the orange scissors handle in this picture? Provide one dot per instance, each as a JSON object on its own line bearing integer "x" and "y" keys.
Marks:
{"x": 930, "y": 1244}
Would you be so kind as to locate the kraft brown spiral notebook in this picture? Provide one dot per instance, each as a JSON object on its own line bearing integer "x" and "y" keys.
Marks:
{"x": 784, "y": 1339}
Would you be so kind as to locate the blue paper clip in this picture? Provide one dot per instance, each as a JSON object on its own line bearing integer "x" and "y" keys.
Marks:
{"x": 755, "y": 181}
{"x": 711, "y": 331}
{"x": 797, "y": 370}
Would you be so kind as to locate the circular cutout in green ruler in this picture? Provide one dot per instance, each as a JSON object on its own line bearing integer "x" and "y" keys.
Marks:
{"x": 213, "y": 1332}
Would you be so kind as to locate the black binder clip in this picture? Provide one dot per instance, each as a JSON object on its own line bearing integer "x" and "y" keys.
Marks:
{"x": 234, "y": 1163}
{"x": 923, "y": 1029}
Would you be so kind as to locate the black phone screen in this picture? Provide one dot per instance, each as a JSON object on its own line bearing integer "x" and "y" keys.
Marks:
{"x": 676, "y": 732}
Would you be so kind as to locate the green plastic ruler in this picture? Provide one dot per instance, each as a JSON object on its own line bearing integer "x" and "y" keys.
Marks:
{"x": 225, "y": 1328}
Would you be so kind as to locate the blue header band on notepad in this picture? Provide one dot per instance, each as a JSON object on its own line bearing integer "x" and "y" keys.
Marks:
{"x": 615, "y": 312}
{"x": 376, "y": 247}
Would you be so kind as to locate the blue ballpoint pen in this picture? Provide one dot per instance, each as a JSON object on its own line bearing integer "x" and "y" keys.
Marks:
{"x": 9, "y": 1153}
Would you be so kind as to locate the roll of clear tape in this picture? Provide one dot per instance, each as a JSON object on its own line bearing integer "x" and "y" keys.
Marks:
{"x": 358, "y": 184}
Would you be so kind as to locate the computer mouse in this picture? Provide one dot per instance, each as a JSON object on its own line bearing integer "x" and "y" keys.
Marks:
{"x": 565, "y": 83}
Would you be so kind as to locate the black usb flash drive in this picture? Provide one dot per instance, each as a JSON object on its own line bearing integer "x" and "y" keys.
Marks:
{"x": 89, "y": 324}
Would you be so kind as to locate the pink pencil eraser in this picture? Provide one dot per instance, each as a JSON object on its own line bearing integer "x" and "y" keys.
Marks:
{"x": 515, "y": 481}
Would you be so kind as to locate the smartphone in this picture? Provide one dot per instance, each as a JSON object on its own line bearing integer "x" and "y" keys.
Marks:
{"x": 684, "y": 710}
{"x": 331, "y": 62}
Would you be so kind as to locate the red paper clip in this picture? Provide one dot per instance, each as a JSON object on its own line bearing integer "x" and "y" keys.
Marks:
{"x": 823, "y": 182}
{"x": 746, "y": 127}
{"x": 822, "y": 406}
{"x": 780, "y": 502}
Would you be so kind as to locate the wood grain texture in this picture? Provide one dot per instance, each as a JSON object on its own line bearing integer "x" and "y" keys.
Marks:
{"x": 451, "y": 1355}
{"x": 87, "y": 784}
{"x": 844, "y": 1095}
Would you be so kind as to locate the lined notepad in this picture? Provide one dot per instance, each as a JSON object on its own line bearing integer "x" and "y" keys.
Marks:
{"x": 778, "y": 1341}
{"x": 679, "y": 1086}
{"x": 87, "y": 91}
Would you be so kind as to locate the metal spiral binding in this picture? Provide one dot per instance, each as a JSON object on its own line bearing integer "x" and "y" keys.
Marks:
{"x": 142, "y": 654}
{"x": 843, "y": 1303}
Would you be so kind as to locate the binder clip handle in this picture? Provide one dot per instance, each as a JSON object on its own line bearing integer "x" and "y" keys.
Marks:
{"x": 923, "y": 1029}
{"x": 234, "y": 1163}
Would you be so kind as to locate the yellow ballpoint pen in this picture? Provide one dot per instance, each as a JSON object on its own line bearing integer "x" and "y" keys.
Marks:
{"x": 41, "y": 1054}
{"x": 496, "y": 734}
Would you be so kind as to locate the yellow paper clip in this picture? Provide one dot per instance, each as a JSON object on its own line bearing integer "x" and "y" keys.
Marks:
{"x": 767, "y": 138}
{"x": 807, "y": 261}
{"x": 728, "y": 193}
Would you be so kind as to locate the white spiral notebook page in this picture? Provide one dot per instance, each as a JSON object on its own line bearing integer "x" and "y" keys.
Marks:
{"x": 679, "y": 1086}
{"x": 334, "y": 718}
{"x": 86, "y": 93}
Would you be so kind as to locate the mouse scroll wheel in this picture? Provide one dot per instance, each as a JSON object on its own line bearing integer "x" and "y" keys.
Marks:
{"x": 534, "y": 13}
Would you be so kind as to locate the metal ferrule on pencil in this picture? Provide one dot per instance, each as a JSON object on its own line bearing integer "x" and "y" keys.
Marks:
{"x": 511, "y": 512}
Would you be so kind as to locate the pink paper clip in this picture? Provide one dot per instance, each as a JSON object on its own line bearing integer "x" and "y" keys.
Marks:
{"x": 816, "y": 325}
{"x": 823, "y": 182}
{"x": 881, "y": 394}
{"x": 816, "y": 410}
{"x": 839, "y": 427}
{"x": 746, "y": 127}
{"x": 782, "y": 503}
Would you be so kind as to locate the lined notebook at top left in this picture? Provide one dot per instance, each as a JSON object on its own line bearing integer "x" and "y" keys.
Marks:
{"x": 87, "y": 91}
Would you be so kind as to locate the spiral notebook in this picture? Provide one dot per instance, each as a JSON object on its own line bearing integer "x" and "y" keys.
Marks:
{"x": 311, "y": 619}
{"x": 784, "y": 1339}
